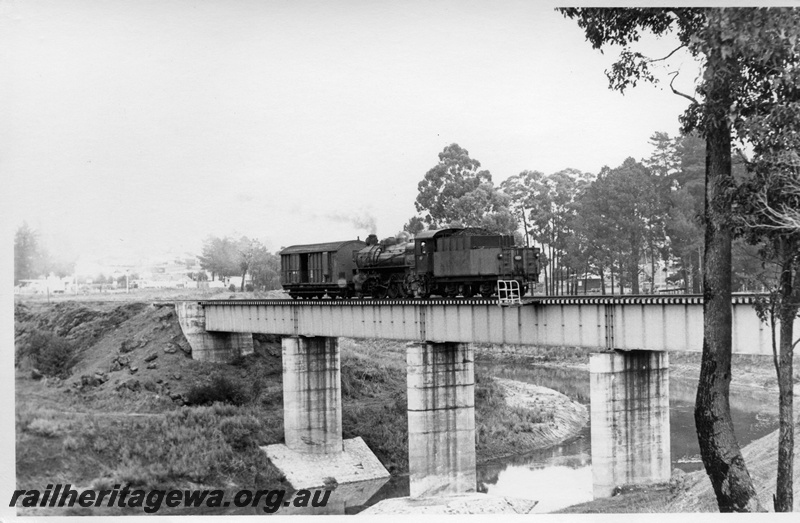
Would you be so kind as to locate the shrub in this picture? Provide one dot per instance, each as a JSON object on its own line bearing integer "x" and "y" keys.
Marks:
{"x": 45, "y": 427}
{"x": 71, "y": 443}
{"x": 50, "y": 354}
{"x": 221, "y": 389}
{"x": 240, "y": 432}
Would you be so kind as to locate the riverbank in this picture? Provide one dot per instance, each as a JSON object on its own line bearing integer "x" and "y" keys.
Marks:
{"x": 749, "y": 372}
{"x": 692, "y": 492}
{"x": 753, "y": 376}
{"x": 132, "y": 408}
{"x": 566, "y": 421}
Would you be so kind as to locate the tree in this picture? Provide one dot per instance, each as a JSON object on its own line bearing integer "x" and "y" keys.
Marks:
{"x": 768, "y": 207}
{"x": 454, "y": 176}
{"x": 525, "y": 189}
{"x": 414, "y": 226}
{"x": 547, "y": 206}
{"x": 739, "y": 48}
{"x": 683, "y": 223}
{"x": 664, "y": 161}
{"x": 26, "y": 251}
{"x": 622, "y": 210}
{"x": 456, "y": 193}
{"x": 265, "y": 269}
{"x": 219, "y": 256}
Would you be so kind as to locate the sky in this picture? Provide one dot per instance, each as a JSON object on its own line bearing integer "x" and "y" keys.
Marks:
{"x": 132, "y": 128}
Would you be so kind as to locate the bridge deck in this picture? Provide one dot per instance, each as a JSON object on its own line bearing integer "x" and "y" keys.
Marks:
{"x": 673, "y": 322}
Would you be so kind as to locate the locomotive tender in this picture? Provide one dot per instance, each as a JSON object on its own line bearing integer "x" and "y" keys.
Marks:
{"x": 445, "y": 262}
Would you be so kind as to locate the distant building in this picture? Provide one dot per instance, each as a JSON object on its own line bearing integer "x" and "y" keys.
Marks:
{"x": 51, "y": 284}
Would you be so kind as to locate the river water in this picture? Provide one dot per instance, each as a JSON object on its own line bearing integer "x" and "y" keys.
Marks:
{"x": 561, "y": 475}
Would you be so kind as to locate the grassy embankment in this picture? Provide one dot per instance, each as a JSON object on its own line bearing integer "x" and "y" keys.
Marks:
{"x": 749, "y": 372}
{"x": 126, "y": 423}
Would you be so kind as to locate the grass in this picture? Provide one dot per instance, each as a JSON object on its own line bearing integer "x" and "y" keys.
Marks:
{"x": 47, "y": 352}
{"x": 502, "y": 430}
{"x": 569, "y": 356}
{"x": 216, "y": 445}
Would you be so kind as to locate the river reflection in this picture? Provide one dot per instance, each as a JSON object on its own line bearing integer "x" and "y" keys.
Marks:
{"x": 527, "y": 483}
{"x": 561, "y": 475}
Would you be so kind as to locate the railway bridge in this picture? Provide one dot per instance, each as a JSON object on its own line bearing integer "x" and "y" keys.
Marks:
{"x": 629, "y": 374}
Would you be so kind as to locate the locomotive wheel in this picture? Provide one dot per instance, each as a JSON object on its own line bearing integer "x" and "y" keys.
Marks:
{"x": 467, "y": 291}
{"x": 394, "y": 291}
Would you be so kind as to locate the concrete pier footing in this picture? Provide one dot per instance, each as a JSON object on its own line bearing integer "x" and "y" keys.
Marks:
{"x": 312, "y": 395}
{"x": 215, "y": 347}
{"x": 629, "y": 419}
{"x": 441, "y": 418}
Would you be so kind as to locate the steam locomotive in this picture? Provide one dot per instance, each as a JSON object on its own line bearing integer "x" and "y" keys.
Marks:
{"x": 445, "y": 262}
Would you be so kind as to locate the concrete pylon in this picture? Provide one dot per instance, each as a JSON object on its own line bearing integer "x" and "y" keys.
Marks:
{"x": 441, "y": 418}
{"x": 629, "y": 419}
{"x": 215, "y": 347}
{"x": 312, "y": 395}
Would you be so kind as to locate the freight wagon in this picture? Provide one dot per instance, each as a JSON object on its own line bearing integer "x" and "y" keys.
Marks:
{"x": 311, "y": 271}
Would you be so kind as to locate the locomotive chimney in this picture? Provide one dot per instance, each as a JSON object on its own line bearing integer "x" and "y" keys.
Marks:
{"x": 372, "y": 239}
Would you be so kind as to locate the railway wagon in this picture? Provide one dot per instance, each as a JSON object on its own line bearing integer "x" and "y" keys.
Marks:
{"x": 313, "y": 270}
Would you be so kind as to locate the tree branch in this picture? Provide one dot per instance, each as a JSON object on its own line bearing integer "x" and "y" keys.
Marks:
{"x": 664, "y": 58}
{"x": 675, "y": 75}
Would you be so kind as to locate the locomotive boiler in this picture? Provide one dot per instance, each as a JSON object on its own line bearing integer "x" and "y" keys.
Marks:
{"x": 445, "y": 262}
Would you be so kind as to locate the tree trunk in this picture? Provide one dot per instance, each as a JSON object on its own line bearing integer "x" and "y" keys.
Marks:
{"x": 789, "y": 302}
{"x": 586, "y": 279}
{"x": 634, "y": 268}
{"x": 719, "y": 449}
{"x": 546, "y": 282}
{"x": 652, "y": 270}
{"x": 244, "y": 273}
{"x": 603, "y": 281}
{"x": 612, "y": 278}
{"x": 686, "y": 272}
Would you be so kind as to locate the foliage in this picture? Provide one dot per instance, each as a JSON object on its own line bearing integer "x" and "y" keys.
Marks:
{"x": 220, "y": 389}
{"x": 414, "y": 226}
{"x": 264, "y": 268}
{"x": 219, "y": 256}
{"x": 26, "y": 248}
{"x": 767, "y": 206}
{"x": 31, "y": 259}
{"x": 229, "y": 257}
{"x": 50, "y": 354}
{"x": 749, "y": 59}
{"x": 548, "y": 207}
{"x": 456, "y": 193}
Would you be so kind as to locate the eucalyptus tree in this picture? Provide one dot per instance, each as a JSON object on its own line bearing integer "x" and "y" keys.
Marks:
{"x": 767, "y": 209}
{"x": 26, "y": 251}
{"x": 743, "y": 52}
{"x": 456, "y": 191}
